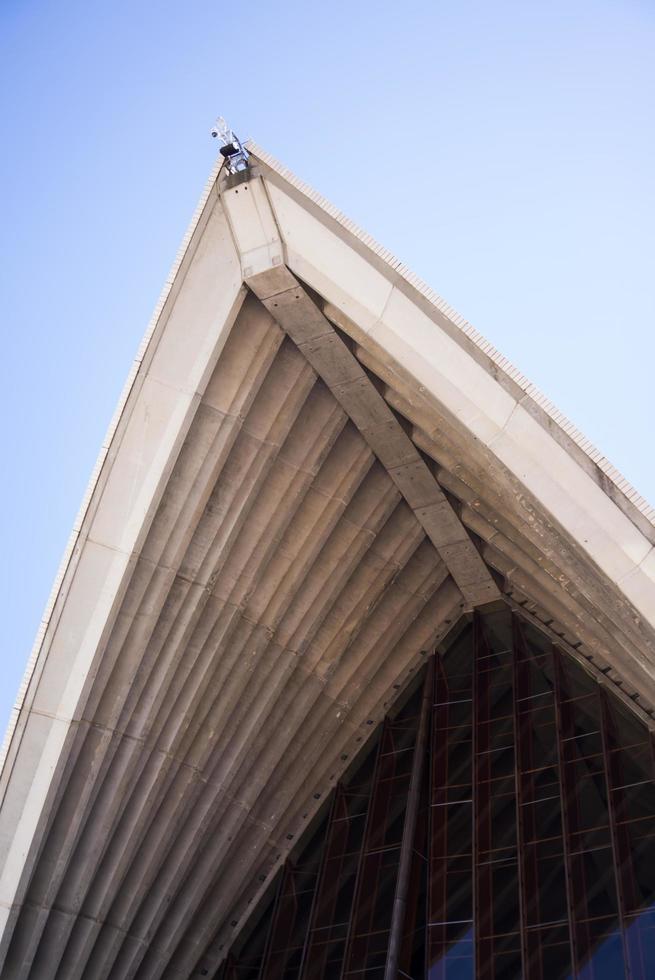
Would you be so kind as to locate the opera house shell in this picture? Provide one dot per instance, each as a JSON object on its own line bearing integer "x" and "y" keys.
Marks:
{"x": 349, "y": 669}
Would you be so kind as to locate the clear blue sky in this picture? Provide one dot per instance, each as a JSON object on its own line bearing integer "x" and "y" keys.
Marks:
{"x": 503, "y": 150}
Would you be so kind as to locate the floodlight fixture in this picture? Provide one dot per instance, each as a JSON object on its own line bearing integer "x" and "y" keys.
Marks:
{"x": 234, "y": 152}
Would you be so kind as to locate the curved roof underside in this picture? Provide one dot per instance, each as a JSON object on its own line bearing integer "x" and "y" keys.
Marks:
{"x": 315, "y": 471}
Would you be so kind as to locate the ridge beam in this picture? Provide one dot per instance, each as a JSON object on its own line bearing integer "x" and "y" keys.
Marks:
{"x": 337, "y": 366}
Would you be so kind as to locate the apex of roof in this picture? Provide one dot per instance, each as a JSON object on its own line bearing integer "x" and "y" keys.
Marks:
{"x": 611, "y": 480}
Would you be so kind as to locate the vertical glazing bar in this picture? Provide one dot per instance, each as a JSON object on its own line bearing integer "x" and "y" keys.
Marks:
{"x": 474, "y": 784}
{"x": 323, "y": 884}
{"x": 274, "y": 917}
{"x": 565, "y": 796}
{"x": 523, "y": 763}
{"x": 449, "y": 893}
{"x": 230, "y": 969}
{"x": 369, "y": 934}
{"x": 640, "y": 932}
{"x": 409, "y": 829}
{"x": 482, "y": 879}
{"x": 620, "y": 855}
{"x": 362, "y": 853}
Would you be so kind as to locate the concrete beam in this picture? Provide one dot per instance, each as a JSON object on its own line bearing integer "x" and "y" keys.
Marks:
{"x": 336, "y": 365}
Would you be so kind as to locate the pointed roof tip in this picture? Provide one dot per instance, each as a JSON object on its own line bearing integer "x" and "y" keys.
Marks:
{"x": 466, "y": 331}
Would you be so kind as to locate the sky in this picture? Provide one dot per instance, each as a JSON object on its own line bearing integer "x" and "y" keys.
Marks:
{"x": 504, "y": 151}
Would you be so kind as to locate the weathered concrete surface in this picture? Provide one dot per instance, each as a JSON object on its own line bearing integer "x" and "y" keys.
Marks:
{"x": 299, "y": 497}
{"x": 337, "y": 366}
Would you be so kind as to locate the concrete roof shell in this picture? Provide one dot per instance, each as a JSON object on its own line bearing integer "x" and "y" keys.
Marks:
{"x": 566, "y": 534}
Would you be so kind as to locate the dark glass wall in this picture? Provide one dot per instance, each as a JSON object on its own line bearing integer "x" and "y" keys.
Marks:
{"x": 516, "y": 835}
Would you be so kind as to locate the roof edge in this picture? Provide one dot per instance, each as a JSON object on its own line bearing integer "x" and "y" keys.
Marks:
{"x": 636, "y": 506}
{"x": 69, "y": 550}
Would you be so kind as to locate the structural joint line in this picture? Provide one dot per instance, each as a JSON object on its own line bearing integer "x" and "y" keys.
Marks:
{"x": 299, "y": 316}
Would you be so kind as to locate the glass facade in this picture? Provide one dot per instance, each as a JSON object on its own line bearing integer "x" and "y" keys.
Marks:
{"x": 502, "y": 825}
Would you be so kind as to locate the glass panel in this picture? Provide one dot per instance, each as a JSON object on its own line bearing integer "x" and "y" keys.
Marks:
{"x": 451, "y": 953}
{"x": 290, "y": 923}
{"x": 548, "y": 951}
{"x": 534, "y": 851}
{"x": 546, "y": 937}
{"x": 411, "y": 962}
{"x": 497, "y": 911}
{"x": 640, "y": 942}
{"x": 368, "y": 938}
{"x": 450, "y": 949}
{"x": 331, "y": 913}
